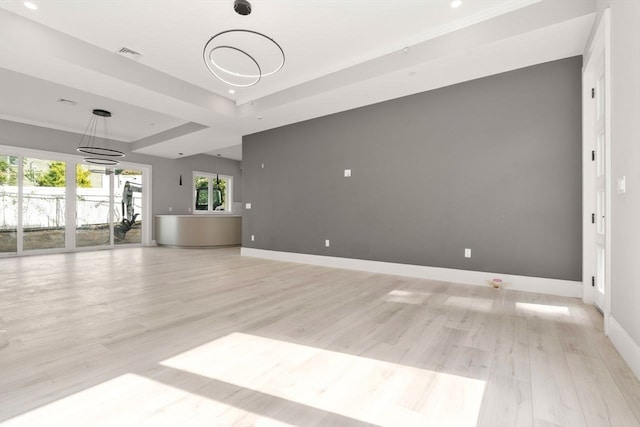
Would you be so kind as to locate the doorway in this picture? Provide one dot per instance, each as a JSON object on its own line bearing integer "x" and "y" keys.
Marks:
{"x": 596, "y": 172}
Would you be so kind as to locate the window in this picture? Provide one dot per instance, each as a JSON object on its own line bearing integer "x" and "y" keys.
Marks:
{"x": 212, "y": 193}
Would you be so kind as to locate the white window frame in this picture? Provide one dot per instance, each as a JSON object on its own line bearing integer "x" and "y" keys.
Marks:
{"x": 228, "y": 189}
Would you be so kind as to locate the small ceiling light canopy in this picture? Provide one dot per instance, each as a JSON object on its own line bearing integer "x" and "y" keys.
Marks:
{"x": 98, "y": 152}
{"x": 242, "y": 7}
{"x": 30, "y": 5}
{"x": 456, "y": 3}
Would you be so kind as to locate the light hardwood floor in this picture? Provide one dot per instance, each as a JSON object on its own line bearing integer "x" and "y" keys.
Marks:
{"x": 160, "y": 336}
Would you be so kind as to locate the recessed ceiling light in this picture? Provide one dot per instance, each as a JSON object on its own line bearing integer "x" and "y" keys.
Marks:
{"x": 232, "y": 91}
{"x": 30, "y": 5}
{"x": 456, "y": 3}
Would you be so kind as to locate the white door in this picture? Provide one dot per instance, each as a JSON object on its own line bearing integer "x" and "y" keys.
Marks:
{"x": 596, "y": 236}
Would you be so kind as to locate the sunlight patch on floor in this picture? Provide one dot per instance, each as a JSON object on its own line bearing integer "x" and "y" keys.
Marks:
{"x": 134, "y": 400}
{"x": 406, "y": 297}
{"x": 242, "y": 379}
{"x": 553, "y": 310}
{"x": 356, "y": 387}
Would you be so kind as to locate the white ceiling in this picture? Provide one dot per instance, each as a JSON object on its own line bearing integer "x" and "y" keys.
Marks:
{"x": 340, "y": 54}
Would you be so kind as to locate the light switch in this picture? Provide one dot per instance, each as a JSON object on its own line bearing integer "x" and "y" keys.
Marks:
{"x": 247, "y": 205}
{"x": 326, "y": 243}
{"x": 347, "y": 173}
{"x": 622, "y": 185}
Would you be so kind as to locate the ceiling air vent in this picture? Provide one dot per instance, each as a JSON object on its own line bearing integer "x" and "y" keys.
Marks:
{"x": 67, "y": 102}
{"x": 132, "y": 54}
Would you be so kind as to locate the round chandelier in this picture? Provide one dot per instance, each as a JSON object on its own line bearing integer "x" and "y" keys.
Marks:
{"x": 98, "y": 151}
{"x": 240, "y": 57}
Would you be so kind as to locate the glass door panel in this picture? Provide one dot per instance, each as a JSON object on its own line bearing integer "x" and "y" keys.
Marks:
{"x": 128, "y": 215}
{"x": 43, "y": 204}
{"x": 8, "y": 203}
{"x": 93, "y": 225}
{"x": 202, "y": 193}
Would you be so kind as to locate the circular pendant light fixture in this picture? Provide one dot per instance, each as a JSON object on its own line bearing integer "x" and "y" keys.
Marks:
{"x": 98, "y": 150}
{"x": 103, "y": 161}
{"x": 241, "y": 57}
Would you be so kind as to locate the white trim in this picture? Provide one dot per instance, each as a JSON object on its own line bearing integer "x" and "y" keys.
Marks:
{"x": 599, "y": 48}
{"x": 566, "y": 288}
{"x": 606, "y": 19}
{"x": 626, "y": 346}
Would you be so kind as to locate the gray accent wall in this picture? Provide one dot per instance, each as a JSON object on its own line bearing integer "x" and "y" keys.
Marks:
{"x": 492, "y": 164}
{"x": 166, "y": 191}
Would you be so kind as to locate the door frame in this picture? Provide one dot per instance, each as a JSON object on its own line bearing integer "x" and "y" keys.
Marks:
{"x": 599, "y": 47}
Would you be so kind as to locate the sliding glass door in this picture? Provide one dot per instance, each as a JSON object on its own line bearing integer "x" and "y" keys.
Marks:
{"x": 53, "y": 203}
{"x": 44, "y": 204}
{"x": 8, "y": 203}
{"x": 128, "y": 194}
{"x": 94, "y": 199}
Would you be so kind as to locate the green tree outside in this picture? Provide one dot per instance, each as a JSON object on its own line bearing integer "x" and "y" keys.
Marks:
{"x": 202, "y": 184}
{"x": 8, "y": 172}
{"x": 55, "y": 176}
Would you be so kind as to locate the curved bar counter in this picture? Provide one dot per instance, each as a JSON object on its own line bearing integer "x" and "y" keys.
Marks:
{"x": 198, "y": 231}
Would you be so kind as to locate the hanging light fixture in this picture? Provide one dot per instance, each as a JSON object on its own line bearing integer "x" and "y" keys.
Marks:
{"x": 241, "y": 57}
{"x": 99, "y": 152}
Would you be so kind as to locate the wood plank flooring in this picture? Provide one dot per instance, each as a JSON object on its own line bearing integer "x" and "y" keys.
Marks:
{"x": 182, "y": 337}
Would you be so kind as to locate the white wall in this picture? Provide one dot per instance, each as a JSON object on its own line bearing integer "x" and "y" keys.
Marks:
{"x": 625, "y": 162}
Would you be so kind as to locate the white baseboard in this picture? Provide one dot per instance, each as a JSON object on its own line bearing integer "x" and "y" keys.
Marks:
{"x": 541, "y": 285}
{"x": 626, "y": 346}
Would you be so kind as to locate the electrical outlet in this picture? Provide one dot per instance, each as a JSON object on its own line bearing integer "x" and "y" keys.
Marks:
{"x": 467, "y": 253}
{"x": 326, "y": 243}
{"x": 262, "y": 165}
{"x": 253, "y": 238}
{"x": 189, "y": 210}
{"x": 170, "y": 209}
